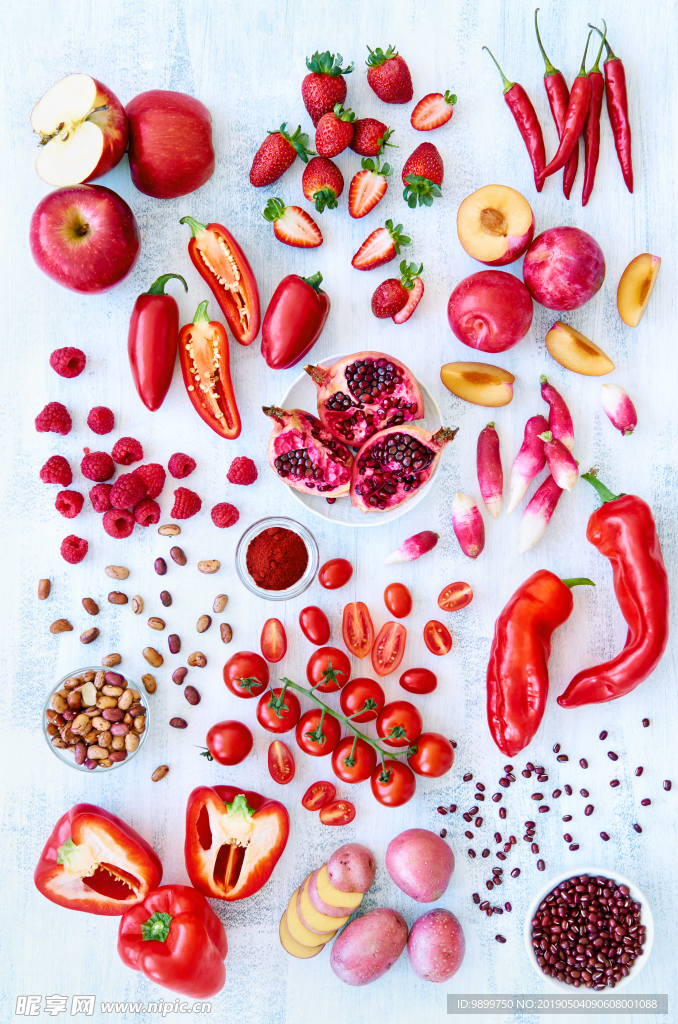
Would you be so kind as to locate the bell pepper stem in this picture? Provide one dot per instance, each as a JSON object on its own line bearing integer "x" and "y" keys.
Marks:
{"x": 157, "y": 927}
{"x": 201, "y": 316}
{"x": 196, "y": 227}
{"x": 579, "y": 581}
{"x": 158, "y": 287}
{"x": 314, "y": 281}
{"x": 604, "y": 493}
{"x": 507, "y": 85}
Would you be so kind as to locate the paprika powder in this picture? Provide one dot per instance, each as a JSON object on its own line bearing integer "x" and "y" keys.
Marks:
{"x": 276, "y": 558}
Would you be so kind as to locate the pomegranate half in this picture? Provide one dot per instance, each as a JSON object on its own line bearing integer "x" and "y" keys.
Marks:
{"x": 392, "y": 465}
{"x": 306, "y": 456}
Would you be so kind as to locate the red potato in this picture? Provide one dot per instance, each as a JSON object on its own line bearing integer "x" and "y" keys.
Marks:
{"x": 436, "y": 946}
{"x": 351, "y": 868}
{"x": 420, "y": 863}
{"x": 329, "y": 909}
{"x": 368, "y": 946}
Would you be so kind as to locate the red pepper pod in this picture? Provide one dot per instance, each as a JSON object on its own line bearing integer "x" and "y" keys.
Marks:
{"x": 577, "y": 109}
{"x": 520, "y": 105}
{"x": 558, "y": 96}
{"x": 206, "y": 368}
{"x": 95, "y": 862}
{"x": 234, "y": 839}
{"x": 294, "y": 320}
{"x": 618, "y": 112}
{"x": 592, "y": 128}
{"x": 152, "y": 342}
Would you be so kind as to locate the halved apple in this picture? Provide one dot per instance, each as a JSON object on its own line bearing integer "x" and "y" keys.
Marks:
{"x": 298, "y": 931}
{"x": 576, "y": 352}
{"x": 479, "y": 383}
{"x": 635, "y": 287}
{"x": 293, "y": 947}
{"x": 495, "y": 225}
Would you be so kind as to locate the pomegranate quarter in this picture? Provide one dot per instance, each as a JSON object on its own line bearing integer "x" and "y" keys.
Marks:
{"x": 391, "y": 466}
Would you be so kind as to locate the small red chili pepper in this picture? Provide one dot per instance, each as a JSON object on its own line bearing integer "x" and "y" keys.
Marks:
{"x": 618, "y": 109}
{"x": 152, "y": 342}
{"x": 520, "y": 105}
{"x": 624, "y": 531}
{"x": 294, "y": 320}
{"x": 592, "y": 127}
{"x": 205, "y": 364}
{"x": 577, "y": 109}
{"x": 558, "y": 97}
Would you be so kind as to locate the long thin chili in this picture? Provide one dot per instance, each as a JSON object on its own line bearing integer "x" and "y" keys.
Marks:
{"x": 592, "y": 127}
{"x": 558, "y": 97}
{"x": 577, "y": 108}
{"x": 618, "y": 109}
{"x": 524, "y": 114}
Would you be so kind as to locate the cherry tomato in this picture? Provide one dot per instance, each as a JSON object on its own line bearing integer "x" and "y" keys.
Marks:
{"x": 273, "y": 640}
{"x": 418, "y": 680}
{"x": 340, "y": 812}
{"x": 285, "y": 718}
{"x": 437, "y": 637}
{"x": 246, "y": 674}
{"x": 357, "y": 629}
{"x": 314, "y": 625}
{"x": 335, "y": 574}
{"x": 399, "y": 724}
{"x": 328, "y": 669}
{"x": 359, "y": 692}
{"x": 433, "y": 755}
{"x": 317, "y": 795}
{"x": 229, "y": 742}
{"x": 389, "y": 648}
{"x": 308, "y": 737}
{"x": 455, "y": 596}
{"x": 280, "y": 763}
{"x": 398, "y": 600}
{"x": 363, "y": 756}
{"x": 394, "y": 784}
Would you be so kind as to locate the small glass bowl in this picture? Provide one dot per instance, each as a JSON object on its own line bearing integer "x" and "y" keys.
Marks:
{"x": 64, "y": 755}
{"x": 288, "y": 524}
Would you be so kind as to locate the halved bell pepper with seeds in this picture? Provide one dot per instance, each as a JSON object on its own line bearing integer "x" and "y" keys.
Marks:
{"x": 206, "y": 366}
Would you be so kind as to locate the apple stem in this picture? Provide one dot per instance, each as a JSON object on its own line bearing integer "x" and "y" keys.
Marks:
{"x": 507, "y": 85}
{"x": 196, "y": 227}
{"x": 550, "y": 69}
{"x": 201, "y": 316}
{"x": 158, "y": 287}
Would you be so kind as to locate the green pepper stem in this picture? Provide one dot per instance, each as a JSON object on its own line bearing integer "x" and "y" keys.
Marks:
{"x": 158, "y": 287}
{"x": 582, "y": 69}
{"x": 579, "y": 581}
{"x": 550, "y": 69}
{"x": 196, "y": 227}
{"x": 201, "y": 316}
{"x": 604, "y": 493}
{"x": 610, "y": 54}
{"x": 314, "y": 281}
{"x": 507, "y": 85}
{"x": 157, "y": 927}
{"x": 595, "y": 67}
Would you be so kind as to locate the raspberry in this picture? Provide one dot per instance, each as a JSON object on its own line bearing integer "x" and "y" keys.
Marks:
{"x": 186, "y": 503}
{"x": 118, "y": 524}
{"x": 153, "y": 476}
{"x": 181, "y": 465}
{"x": 97, "y": 466}
{"x": 147, "y": 512}
{"x": 54, "y": 418}
{"x": 224, "y": 515}
{"x": 127, "y": 491}
{"x": 73, "y": 549}
{"x": 101, "y": 420}
{"x": 68, "y": 362}
{"x": 242, "y": 471}
{"x": 100, "y": 496}
{"x": 126, "y": 451}
{"x": 69, "y": 503}
{"x": 56, "y": 471}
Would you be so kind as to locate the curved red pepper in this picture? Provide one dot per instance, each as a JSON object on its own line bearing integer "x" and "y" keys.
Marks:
{"x": 234, "y": 839}
{"x": 558, "y": 97}
{"x": 152, "y": 342}
{"x": 618, "y": 112}
{"x": 592, "y": 128}
{"x": 220, "y": 261}
{"x": 577, "y": 109}
{"x": 294, "y": 320}
{"x": 95, "y": 862}
{"x": 176, "y": 940}
{"x": 206, "y": 367}
{"x": 624, "y": 531}
{"x": 520, "y": 105}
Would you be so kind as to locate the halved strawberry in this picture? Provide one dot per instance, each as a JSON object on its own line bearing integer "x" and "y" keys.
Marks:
{"x": 413, "y": 300}
{"x": 292, "y": 225}
{"x": 433, "y": 111}
{"x": 367, "y": 188}
{"x": 380, "y": 247}
{"x": 392, "y": 296}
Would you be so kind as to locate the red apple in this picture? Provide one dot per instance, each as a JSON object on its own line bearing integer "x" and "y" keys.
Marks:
{"x": 495, "y": 225}
{"x": 84, "y": 237}
{"x": 170, "y": 143}
{"x": 490, "y": 311}
{"x": 83, "y": 130}
{"x": 564, "y": 268}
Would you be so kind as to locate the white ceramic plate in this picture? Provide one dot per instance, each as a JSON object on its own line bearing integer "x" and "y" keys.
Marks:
{"x": 302, "y": 395}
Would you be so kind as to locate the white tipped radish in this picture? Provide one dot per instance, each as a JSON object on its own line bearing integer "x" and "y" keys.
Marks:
{"x": 529, "y": 461}
{"x": 413, "y": 547}
{"x": 468, "y": 525}
{"x": 562, "y": 465}
{"x": 538, "y": 513}
{"x": 619, "y": 408}
{"x": 560, "y": 420}
{"x": 490, "y": 473}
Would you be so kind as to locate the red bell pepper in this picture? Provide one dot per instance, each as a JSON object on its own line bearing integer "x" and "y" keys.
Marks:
{"x": 93, "y": 861}
{"x": 152, "y": 342}
{"x": 176, "y": 940}
{"x": 294, "y": 320}
{"x": 206, "y": 366}
{"x": 234, "y": 839}
{"x": 220, "y": 261}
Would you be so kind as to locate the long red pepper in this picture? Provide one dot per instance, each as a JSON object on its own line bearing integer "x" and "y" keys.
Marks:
{"x": 618, "y": 109}
{"x": 558, "y": 97}
{"x": 152, "y": 342}
{"x": 592, "y": 127}
{"x": 520, "y": 105}
{"x": 624, "y": 531}
{"x": 577, "y": 108}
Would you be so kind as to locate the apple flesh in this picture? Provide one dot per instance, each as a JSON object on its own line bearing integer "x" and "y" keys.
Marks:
{"x": 478, "y": 383}
{"x": 83, "y": 131}
{"x": 576, "y": 352}
{"x": 564, "y": 268}
{"x": 495, "y": 225}
{"x": 84, "y": 237}
{"x": 635, "y": 287}
{"x": 490, "y": 311}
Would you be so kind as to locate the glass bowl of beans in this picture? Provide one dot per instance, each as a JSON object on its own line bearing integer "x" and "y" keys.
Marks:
{"x": 95, "y": 718}
{"x": 618, "y": 930}
{"x": 277, "y": 558}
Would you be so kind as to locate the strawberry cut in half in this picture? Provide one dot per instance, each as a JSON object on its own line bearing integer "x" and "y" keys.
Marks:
{"x": 382, "y": 246}
{"x": 292, "y": 225}
{"x": 324, "y": 86}
{"x": 413, "y": 299}
{"x": 276, "y": 154}
{"x": 334, "y": 132}
{"x": 433, "y": 111}
{"x": 322, "y": 183}
{"x": 422, "y": 176}
{"x": 391, "y": 297}
{"x": 368, "y": 187}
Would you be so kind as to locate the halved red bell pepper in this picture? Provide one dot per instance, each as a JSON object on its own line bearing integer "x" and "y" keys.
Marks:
{"x": 220, "y": 261}
{"x": 234, "y": 839}
{"x": 206, "y": 366}
{"x": 95, "y": 862}
{"x": 176, "y": 940}
{"x": 152, "y": 342}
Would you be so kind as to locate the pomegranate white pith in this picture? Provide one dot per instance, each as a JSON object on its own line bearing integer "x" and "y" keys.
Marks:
{"x": 306, "y": 456}
{"x": 391, "y": 466}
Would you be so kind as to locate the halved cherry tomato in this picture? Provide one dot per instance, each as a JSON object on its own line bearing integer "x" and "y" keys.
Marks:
{"x": 399, "y": 724}
{"x": 314, "y": 625}
{"x": 455, "y": 596}
{"x": 229, "y": 742}
{"x": 393, "y": 784}
{"x": 312, "y": 739}
{"x": 351, "y": 763}
{"x": 437, "y": 637}
{"x": 398, "y": 600}
{"x": 357, "y": 694}
{"x": 205, "y": 367}
{"x": 317, "y": 795}
{"x": 418, "y": 680}
{"x": 340, "y": 812}
{"x": 285, "y": 718}
{"x": 389, "y": 648}
{"x": 335, "y": 574}
{"x": 273, "y": 640}
{"x": 280, "y": 763}
{"x": 433, "y": 755}
{"x": 357, "y": 629}
{"x": 246, "y": 674}
{"x": 328, "y": 669}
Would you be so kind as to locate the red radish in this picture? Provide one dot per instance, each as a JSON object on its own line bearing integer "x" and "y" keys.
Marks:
{"x": 292, "y": 225}
{"x": 562, "y": 466}
{"x": 334, "y": 131}
{"x": 468, "y": 525}
{"x": 529, "y": 461}
{"x": 370, "y": 136}
{"x": 276, "y": 154}
{"x": 391, "y": 296}
{"x": 368, "y": 187}
{"x": 413, "y": 300}
{"x": 619, "y": 408}
{"x": 560, "y": 420}
{"x": 414, "y": 547}
{"x": 389, "y": 76}
{"x": 324, "y": 86}
{"x": 433, "y": 111}
{"x": 382, "y": 246}
{"x": 322, "y": 183}
{"x": 422, "y": 176}
{"x": 490, "y": 473}
{"x": 538, "y": 513}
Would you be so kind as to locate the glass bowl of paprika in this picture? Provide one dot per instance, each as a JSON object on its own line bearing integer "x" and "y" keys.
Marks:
{"x": 277, "y": 558}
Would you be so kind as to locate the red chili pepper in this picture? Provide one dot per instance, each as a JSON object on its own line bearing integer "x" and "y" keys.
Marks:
{"x": 152, "y": 342}
{"x": 577, "y": 109}
{"x": 558, "y": 97}
{"x": 520, "y": 105}
{"x": 624, "y": 531}
{"x": 618, "y": 109}
{"x": 294, "y": 320}
{"x": 220, "y": 261}
{"x": 592, "y": 127}
{"x": 205, "y": 364}
{"x": 517, "y": 673}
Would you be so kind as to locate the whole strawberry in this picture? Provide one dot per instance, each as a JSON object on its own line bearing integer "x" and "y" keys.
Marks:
{"x": 322, "y": 182}
{"x": 276, "y": 154}
{"x": 423, "y": 175}
{"x": 392, "y": 295}
{"x": 370, "y": 136}
{"x": 389, "y": 76}
{"x": 325, "y": 86}
{"x": 334, "y": 131}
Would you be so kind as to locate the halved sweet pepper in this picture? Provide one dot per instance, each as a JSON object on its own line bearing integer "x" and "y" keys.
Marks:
{"x": 206, "y": 368}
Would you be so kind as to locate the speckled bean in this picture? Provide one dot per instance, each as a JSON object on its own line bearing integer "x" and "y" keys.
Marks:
{"x": 203, "y": 623}
{"x": 149, "y": 682}
{"x": 209, "y": 566}
{"x": 137, "y": 604}
{"x": 44, "y": 587}
{"x": 179, "y": 675}
{"x": 109, "y": 660}
{"x": 225, "y": 632}
{"x": 117, "y": 755}
{"x": 197, "y": 659}
{"x": 178, "y": 556}
{"x": 60, "y": 626}
{"x": 153, "y": 657}
{"x": 220, "y": 602}
{"x": 169, "y": 530}
{"x": 117, "y": 597}
{"x": 117, "y": 572}
{"x": 131, "y": 742}
{"x": 119, "y": 729}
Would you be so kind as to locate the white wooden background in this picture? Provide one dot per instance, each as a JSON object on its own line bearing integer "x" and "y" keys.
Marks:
{"x": 245, "y": 60}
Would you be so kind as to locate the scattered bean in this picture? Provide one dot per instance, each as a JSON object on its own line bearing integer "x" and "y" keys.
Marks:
{"x": 562, "y": 758}
{"x": 178, "y": 723}
{"x": 220, "y": 602}
{"x": 588, "y": 810}
{"x": 584, "y": 793}
{"x": 537, "y": 796}
{"x": 534, "y": 848}
{"x": 90, "y": 606}
{"x": 639, "y": 770}
{"x": 515, "y": 872}
{"x": 226, "y": 633}
{"x": 502, "y": 812}
{"x": 575, "y": 846}
{"x": 149, "y": 682}
{"x": 605, "y": 837}
{"x": 496, "y": 797}
{"x": 117, "y": 572}
{"x": 472, "y": 854}
{"x": 117, "y": 597}
{"x": 603, "y": 735}
{"x": 155, "y": 623}
{"x": 178, "y": 556}
{"x": 165, "y": 598}
{"x": 469, "y": 835}
{"x": 614, "y": 783}
{"x": 203, "y": 623}
{"x": 442, "y": 833}
{"x": 441, "y": 810}
{"x": 137, "y": 604}
{"x": 192, "y": 695}
{"x": 556, "y": 748}
{"x": 478, "y": 822}
{"x": 479, "y": 796}
{"x": 504, "y": 783}
{"x": 209, "y": 565}
{"x": 541, "y": 866}
{"x": 468, "y": 777}
{"x": 500, "y": 938}
{"x": 583, "y": 763}
{"x": 89, "y": 636}
{"x": 197, "y": 659}
{"x": 160, "y": 566}
{"x": 61, "y": 626}
{"x": 44, "y": 587}
{"x": 637, "y": 827}
{"x": 667, "y": 785}
{"x": 476, "y": 898}
{"x": 646, "y": 722}
{"x": 567, "y": 817}
{"x": 174, "y": 643}
{"x": 612, "y": 756}
{"x": 160, "y": 772}
{"x": 109, "y": 660}
{"x": 556, "y": 793}
{"x": 452, "y": 808}
{"x": 646, "y": 802}
{"x": 568, "y": 789}
{"x": 153, "y": 657}
{"x": 169, "y": 530}
{"x": 567, "y": 837}
{"x": 179, "y": 675}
